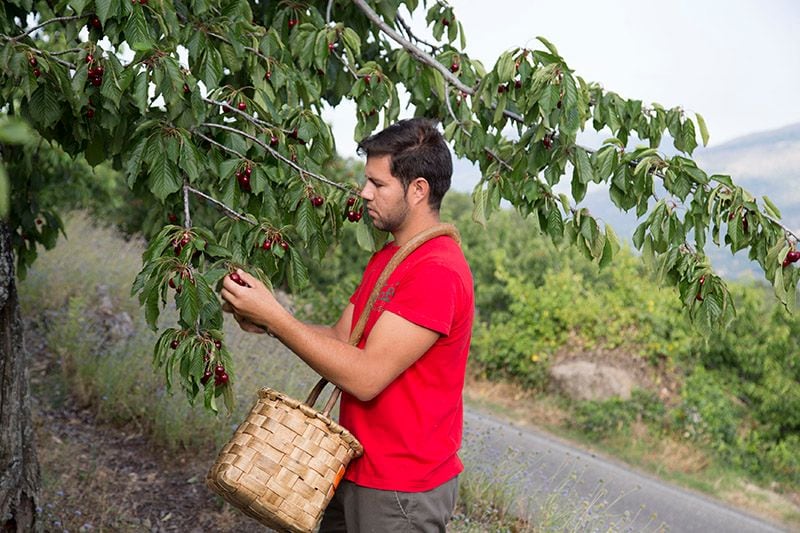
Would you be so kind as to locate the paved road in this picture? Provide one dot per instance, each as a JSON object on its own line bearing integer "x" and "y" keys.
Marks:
{"x": 603, "y": 494}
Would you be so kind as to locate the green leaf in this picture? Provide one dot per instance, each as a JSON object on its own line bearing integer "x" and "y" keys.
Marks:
{"x": 774, "y": 211}
{"x": 701, "y": 123}
{"x": 548, "y": 45}
{"x": 164, "y": 178}
{"x": 137, "y": 32}
{"x": 102, "y": 9}
{"x": 505, "y": 68}
{"x": 45, "y": 107}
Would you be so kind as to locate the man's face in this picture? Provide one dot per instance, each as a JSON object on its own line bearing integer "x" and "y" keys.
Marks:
{"x": 384, "y": 195}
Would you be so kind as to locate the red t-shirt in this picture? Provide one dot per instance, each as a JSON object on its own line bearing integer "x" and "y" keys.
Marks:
{"x": 411, "y": 431}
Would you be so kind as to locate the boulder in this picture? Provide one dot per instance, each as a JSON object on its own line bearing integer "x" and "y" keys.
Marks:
{"x": 584, "y": 380}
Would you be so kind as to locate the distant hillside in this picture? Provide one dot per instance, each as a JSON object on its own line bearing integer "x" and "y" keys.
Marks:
{"x": 766, "y": 163}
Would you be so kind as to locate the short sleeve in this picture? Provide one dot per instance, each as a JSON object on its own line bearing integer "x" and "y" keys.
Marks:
{"x": 427, "y": 296}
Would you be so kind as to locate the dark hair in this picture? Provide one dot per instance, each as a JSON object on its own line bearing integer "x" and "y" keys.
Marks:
{"x": 417, "y": 149}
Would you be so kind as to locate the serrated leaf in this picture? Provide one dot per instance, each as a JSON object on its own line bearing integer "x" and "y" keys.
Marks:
{"x": 771, "y": 207}
{"x": 102, "y": 9}
{"x": 164, "y": 178}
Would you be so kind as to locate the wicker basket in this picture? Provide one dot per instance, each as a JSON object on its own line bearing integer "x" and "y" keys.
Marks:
{"x": 284, "y": 461}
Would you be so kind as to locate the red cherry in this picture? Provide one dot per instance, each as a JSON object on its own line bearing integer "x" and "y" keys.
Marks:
{"x": 219, "y": 369}
{"x": 97, "y": 81}
{"x": 33, "y": 61}
{"x": 501, "y": 89}
{"x": 358, "y": 216}
{"x": 90, "y": 113}
{"x": 351, "y": 201}
{"x": 99, "y": 70}
{"x": 331, "y": 46}
{"x": 143, "y": 2}
{"x": 792, "y": 257}
{"x": 273, "y": 141}
{"x": 454, "y": 67}
{"x": 206, "y": 376}
{"x": 267, "y": 244}
{"x": 292, "y": 23}
{"x": 367, "y": 79}
{"x": 293, "y": 158}
{"x": 268, "y": 75}
{"x": 186, "y": 89}
{"x": 39, "y": 222}
{"x": 244, "y": 183}
{"x": 217, "y": 344}
{"x": 248, "y": 170}
{"x": 241, "y": 106}
{"x": 518, "y": 83}
{"x": 171, "y": 283}
{"x": 95, "y": 22}
{"x": 237, "y": 279}
{"x": 221, "y": 379}
{"x": 174, "y": 344}
{"x": 284, "y": 245}
{"x": 445, "y": 21}
{"x": 37, "y": 73}
{"x": 293, "y": 133}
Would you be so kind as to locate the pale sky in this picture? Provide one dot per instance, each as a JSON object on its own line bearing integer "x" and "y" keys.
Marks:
{"x": 735, "y": 62}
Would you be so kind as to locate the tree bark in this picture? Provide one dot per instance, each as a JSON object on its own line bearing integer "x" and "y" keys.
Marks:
{"x": 19, "y": 465}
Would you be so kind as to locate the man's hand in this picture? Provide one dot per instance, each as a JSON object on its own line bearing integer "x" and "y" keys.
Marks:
{"x": 245, "y": 324}
{"x": 251, "y": 304}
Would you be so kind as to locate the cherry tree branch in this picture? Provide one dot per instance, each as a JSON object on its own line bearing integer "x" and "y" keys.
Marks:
{"x": 45, "y": 23}
{"x": 300, "y": 170}
{"x": 187, "y": 216}
{"x": 230, "y": 212}
{"x": 220, "y": 145}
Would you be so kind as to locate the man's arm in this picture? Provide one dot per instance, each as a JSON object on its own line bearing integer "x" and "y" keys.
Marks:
{"x": 393, "y": 345}
{"x": 340, "y": 330}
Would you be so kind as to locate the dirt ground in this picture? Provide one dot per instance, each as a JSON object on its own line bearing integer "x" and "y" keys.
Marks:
{"x": 96, "y": 477}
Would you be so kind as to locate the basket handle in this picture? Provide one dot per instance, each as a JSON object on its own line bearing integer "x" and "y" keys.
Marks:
{"x": 355, "y": 335}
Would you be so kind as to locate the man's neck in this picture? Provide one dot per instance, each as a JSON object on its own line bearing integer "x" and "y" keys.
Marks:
{"x": 414, "y": 225}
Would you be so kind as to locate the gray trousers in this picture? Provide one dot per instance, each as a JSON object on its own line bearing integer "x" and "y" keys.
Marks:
{"x": 356, "y": 509}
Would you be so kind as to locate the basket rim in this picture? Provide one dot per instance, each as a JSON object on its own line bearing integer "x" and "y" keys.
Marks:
{"x": 310, "y": 412}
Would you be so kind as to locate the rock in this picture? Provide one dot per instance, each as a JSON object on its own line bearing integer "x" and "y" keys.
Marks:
{"x": 584, "y": 380}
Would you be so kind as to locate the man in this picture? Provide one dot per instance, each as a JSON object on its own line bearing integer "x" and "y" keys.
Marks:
{"x": 402, "y": 384}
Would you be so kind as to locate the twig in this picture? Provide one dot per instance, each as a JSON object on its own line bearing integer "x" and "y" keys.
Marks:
{"x": 247, "y": 116}
{"x": 303, "y": 172}
{"x": 45, "y": 23}
{"x": 231, "y": 213}
{"x": 328, "y": 11}
{"x": 187, "y": 216}
{"x": 220, "y": 145}
{"x": 411, "y": 35}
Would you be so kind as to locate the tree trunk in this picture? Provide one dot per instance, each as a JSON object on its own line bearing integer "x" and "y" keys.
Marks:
{"x": 19, "y": 466}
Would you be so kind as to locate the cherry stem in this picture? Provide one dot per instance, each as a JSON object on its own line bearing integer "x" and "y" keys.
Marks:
{"x": 328, "y": 11}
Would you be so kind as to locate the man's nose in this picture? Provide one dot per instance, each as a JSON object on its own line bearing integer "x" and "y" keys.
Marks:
{"x": 366, "y": 192}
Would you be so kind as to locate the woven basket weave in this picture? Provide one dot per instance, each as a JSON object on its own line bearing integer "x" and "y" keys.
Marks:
{"x": 286, "y": 459}
{"x": 284, "y": 462}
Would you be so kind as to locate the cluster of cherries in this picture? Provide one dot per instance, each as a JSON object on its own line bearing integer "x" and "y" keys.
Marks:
{"x": 352, "y": 214}
{"x": 316, "y": 200}
{"x": 95, "y": 72}
{"x": 269, "y": 242}
{"x": 178, "y": 244}
{"x": 35, "y": 65}
{"x": 792, "y": 257}
{"x": 243, "y": 177}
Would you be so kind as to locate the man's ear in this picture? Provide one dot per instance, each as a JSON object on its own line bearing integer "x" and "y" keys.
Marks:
{"x": 418, "y": 190}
